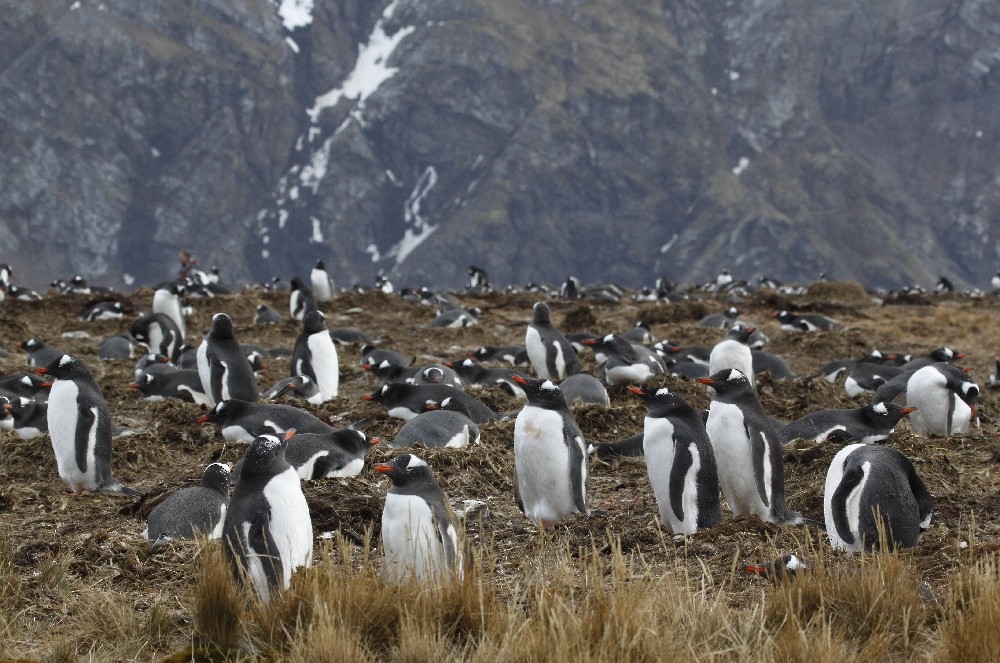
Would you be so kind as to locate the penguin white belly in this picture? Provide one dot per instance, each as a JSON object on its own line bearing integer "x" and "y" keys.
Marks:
{"x": 734, "y": 459}
{"x": 216, "y": 532}
{"x": 460, "y": 440}
{"x": 852, "y": 388}
{"x": 542, "y": 462}
{"x": 821, "y": 437}
{"x": 237, "y": 434}
{"x": 731, "y": 354}
{"x": 351, "y": 469}
{"x": 320, "y": 285}
{"x": 537, "y": 353}
{"x": 410, "y": 539}
{"x": 926, "y": 390}
{"x": 27, "y": 433}
{"x": 628, "y": 374}
{"x": 325, "y": 365}
{"x": 197, "y": 396}
{"x": 659, "y": 448}
{"x": 205, "y": 372}
{"x": 290, "y": 525}
{"x": 62, "y": 418}
{"x": 401, "y": 412}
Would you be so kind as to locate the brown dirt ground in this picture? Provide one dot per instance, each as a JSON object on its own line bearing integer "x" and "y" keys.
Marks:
{"x": 97, "y": 536}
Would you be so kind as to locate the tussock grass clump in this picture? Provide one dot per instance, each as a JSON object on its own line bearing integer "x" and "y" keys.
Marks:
{"x": 969, "y": 633}
{"x": 218, "y": 607}
{"x": 869, "y": 612}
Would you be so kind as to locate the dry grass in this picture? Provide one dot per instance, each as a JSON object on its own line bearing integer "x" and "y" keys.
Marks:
{"x": 76, "y": 582}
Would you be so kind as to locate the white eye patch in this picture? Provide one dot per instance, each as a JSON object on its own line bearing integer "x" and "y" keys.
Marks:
{"x": 415, "y": 461}
{"x": 879, "y": 408}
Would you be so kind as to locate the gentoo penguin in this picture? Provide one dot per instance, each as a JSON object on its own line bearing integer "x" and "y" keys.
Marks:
{"x": 386, "y": 371}
{"x": 867, "y": 377}
{"x": 626, "y": 362}
{"x": 39, "y": 354}
{"x": 349, "y": 336}
{"x": 405, "y": 401}
{"x": 298, "y": 386}
{"x": 782, "y": 568}
{"x": 550, "y": 456}
{"x": 551, "y": 355}
{"x": 478, "y": 279}
{"x": 833, "y": 370}
{"x": 732, "y": 352}
{"x": 639, "y": 333}
{"x": 113, "y": 348}
{"x": 867, "y": 484}
{"x": 439, "y": 374}
{"x": 680, "y": 462}
{"x": 322, "y": 284}
{"x": 944, "y": 354}
{"x": 455, "y": 318}
{"x": 419, "y": 534}
{"x": 584, "y": 389}
{"x": 106, "y": 310}
{"x": 182, "y": 384}
{"x": 668, "y": 350}
{"x": 30, "y": 417}
{"x": 476, "y": 375}
{"x": 747, "y": 450}
{"x": 372, "y": 356}
{"x": 224, "y": 370}
{"x": 153, "y": 363}
{"x": 340, "y": 453}
{"x": 80, "y": 428}
{"x": 995, "y": 281}
{"x": 722, "y": 320}
{"x": 446, "y": 424}
{"x": 515, "y": 355}
{"x": 300, "y": 299}
{"x": 267, "y": 532}
{"x": 869, "y": 424}
{"x": 810, "y": 323}
{"x": 241, "y": 421}
{"x": 315, "y": 355}
{"x": 167, "y": 300}
{"x": 945, "y": 398}
{"x": 194, "y": 509}
{"x": 160, "y": 334}
{"x": 26, "y": 385}
{"x": 994, "y": 380}
{"x": 265, "y": 315}
{"x": 772, "y": 364}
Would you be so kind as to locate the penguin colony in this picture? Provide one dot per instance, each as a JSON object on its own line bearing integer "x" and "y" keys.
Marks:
{"x": 703, "y": 468}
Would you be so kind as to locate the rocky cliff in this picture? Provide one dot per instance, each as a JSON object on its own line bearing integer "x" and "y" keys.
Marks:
{"x": 609, "y": 140}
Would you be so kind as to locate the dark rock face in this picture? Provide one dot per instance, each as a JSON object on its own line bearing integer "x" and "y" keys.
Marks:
{"x": 534, "y": 139}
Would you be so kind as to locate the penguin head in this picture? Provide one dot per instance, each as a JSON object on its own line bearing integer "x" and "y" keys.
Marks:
{"x": 64, "y": 368}
{"x": 266, "y": 456}
{"x": 540, "y": 313}
{"x": 223, "y": 411}
{"x": 320, "y": 265}
{"x": 222, "y": 326}
{"x": 30, "y": 344}
{"x": 660, "y": 402}
{"x": 541, "y": 393}
{"x": 886, "y": 413}
{"x": 740, "y": 332}
{"x": 727, "y": 381}
{"x": 313, "y": 322}
{"x": 218, "y": 477}
{"x": 403, "y": 469}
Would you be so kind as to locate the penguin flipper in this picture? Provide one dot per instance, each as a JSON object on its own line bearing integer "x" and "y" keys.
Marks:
{"x": 86, "y": 424}
{"x": 678, "y": 473}
{"x": 925, "y": 501}
{"x": 759, "y": 454}
{"x": 517, "y": 492}
{"x": 444, "y": 525}
{"x": 850, "y": 480}
{"x": 262, "y": 546}
{"x": 579, "y": 476}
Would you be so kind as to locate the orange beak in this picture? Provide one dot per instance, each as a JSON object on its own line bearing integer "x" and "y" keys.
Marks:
{"x": 636, "y": 390}
{"x": 203, "y": 419}
{"x": 133, "y": 385}
{"x": 519, "y": 379}
{"x": 705, "y": 381}
{"x": 41, "y": 370}
{"x": 383, "y": 468}
{"x": 907, "y": 410}
{"x": 289, "y": 434}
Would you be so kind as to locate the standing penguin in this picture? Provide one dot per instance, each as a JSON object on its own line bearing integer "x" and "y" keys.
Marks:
{"x": 747, "y": 450}
{"x": 550, "y": 456}
{"x": 80, "y": 428}
{"x": 945, "y": 397}
{"x": 867, "y": 484}
{"x": 419, "y": 533}
{"x": 301, "y": 299}
{"x": 222, "y": 366}
{"x": 322, "y": 284}
{"x": 167, "y": 300}
{"x": 315, "y": 355}
{"x": 733, "y": 352}
{"x": 267, "y": 532}
{"x": 551, "y": 355}
{"x": 200, "y": 508}
{"x": 680, "y": 462}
